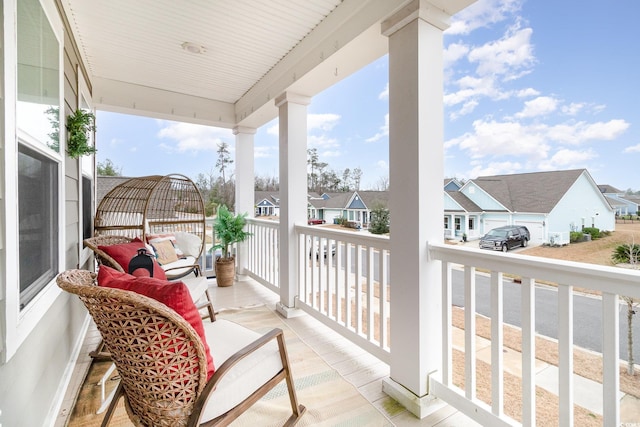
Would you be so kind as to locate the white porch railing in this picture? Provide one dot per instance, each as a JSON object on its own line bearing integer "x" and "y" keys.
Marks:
{"x": 263, "y": 253}
{"x": 612, "y": 282}
{"x": 349, "y": 292}
{"x": 344, "y": 283}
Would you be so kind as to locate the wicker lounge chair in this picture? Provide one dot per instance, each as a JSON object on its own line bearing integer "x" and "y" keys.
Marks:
{"x": 162, "y": 362}
{"x": 197, "y": 285}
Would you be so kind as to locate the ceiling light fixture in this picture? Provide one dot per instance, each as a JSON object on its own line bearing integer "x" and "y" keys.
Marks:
{"x": 193, "y": 48}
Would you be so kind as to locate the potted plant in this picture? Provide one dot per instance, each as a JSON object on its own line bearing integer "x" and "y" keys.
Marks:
{"x": 229, "y": 229}
{"x": 464, "y": 237}
{"x": 79, "y": 124}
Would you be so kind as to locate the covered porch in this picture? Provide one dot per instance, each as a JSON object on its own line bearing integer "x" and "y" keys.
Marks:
{"x": 386, "y": 300}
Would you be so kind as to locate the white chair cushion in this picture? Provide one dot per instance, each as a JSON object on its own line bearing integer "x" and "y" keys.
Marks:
{"x": 187, "y": 262}
{"x": 196, "y": 285}
{"x": 188, "y": 242}
{"x": 225, "y": 338}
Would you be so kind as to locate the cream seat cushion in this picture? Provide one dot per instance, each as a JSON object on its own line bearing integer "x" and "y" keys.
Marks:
{"x": 225, "y": 338}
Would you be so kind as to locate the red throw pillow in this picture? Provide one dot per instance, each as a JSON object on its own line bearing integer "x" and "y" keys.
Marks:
{"x": 174, "y": 295}
{"x": 123, "y": 253}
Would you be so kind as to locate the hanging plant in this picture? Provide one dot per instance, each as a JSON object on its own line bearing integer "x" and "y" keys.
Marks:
{"x": 79, "y": 126}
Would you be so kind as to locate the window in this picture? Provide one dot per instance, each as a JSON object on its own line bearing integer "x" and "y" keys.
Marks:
{"x": 38, "y": 103}
{"x": 457, "y": 223}
{"x": 472, "y": 223}
{"x": 446, "y": 222}
{"x": 38, "y": 220}
{"x": 38, "y": 100}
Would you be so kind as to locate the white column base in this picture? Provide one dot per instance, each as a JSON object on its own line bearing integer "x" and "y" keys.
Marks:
{"x": 418, "y": 406}
{"x": 288, "y": 312}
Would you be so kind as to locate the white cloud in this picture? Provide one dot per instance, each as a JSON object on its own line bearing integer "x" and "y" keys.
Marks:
{"x": 322, "y": 141}
{"x": 495, "y": 168}
{"x": 632, "y": 149}
{"x": 501, "y": 139}
{"x": 384, "y": 131}
{"x": 264, "y": 152}
{"x": 382, "y": 164}
{"x": 526, "y": 93}
{"x": 453, "y": 52}
{"x": 510, "y": 57}
{"x": 324, "y": 122}
{"x": 568, "y": 159}
{"x": 274, "y": 130}
{"x": 385, "y": 92}
{"x": 483, "y": 13}
{"x": 573, "y": 109}
{"x": 331, "y": 153}
{"x": 581, "y": 132}
{"x": 539, "y": 106}
{"x": 192, "y": 137}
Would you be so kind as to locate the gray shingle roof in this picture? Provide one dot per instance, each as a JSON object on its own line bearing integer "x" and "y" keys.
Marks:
{"x": 529, "y": 192}
{"x": 107, "y": 183}
{"x": 608, "y": 189}
{"x": 464, "y": 201}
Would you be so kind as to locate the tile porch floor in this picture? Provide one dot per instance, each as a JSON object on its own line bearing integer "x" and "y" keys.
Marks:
{"x": 355, "y": 365}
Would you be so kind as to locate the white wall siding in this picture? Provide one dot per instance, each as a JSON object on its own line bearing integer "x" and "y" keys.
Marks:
{"x": 581, "y": 201}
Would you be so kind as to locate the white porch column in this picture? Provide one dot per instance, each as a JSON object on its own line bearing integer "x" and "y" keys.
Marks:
{"x": 293, "y": 191}
{"x": 244, "y": 184}
{"x": 416, "y": 156}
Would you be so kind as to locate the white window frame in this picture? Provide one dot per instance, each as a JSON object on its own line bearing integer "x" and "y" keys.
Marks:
{"x": 83, "y": 93}
{"x": 18, "y": 324}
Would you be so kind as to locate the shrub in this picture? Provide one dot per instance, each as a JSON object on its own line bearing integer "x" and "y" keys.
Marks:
{"x": 379, "y": 221}
{"x": 623, "y": 253}
{"x": 576, "y": 236}
{"x": 595, "y": 232}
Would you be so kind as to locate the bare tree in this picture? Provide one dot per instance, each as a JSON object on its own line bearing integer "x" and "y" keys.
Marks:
{"x": 382, "y": 184}
{"x": 631, "y": 253}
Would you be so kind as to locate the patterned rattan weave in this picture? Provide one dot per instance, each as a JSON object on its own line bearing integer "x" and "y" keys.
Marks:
{"x": 161, "y": 359}
{"x": 159, "y": 356}
{"x": 152, "y": 204}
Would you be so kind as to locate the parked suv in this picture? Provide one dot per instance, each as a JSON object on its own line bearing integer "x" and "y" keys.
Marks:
{"x": 505, "y": 238}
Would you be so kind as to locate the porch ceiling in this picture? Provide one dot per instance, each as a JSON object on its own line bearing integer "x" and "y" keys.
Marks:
{"x": 252, "y": 52}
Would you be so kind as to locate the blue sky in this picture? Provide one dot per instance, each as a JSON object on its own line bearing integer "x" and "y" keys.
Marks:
{"x": 530, "y": 85}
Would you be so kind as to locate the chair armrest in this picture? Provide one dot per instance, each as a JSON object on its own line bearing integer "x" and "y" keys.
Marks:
{"x": 223, "y": 369}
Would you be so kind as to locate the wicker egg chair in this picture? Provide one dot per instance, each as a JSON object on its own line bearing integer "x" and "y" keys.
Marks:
{"x": 153, "y": 204}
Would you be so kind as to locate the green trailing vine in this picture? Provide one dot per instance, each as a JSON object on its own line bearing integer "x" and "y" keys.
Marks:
{"x": 79, "y": 126}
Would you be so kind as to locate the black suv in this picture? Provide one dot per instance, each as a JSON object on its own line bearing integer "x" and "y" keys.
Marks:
{"x": 505, "y": 238}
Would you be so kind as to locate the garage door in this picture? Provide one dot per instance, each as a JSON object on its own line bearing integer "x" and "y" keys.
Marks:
{"x": 535, "y": 229}
{"x": 490, "y": 224}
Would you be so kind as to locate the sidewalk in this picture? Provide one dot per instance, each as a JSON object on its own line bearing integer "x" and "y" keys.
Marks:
{"x": 587, "y": 393}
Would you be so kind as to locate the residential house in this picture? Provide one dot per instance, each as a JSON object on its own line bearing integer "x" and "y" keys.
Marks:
{"x": 621, "y": 203}
{"x": 267, "y": 203}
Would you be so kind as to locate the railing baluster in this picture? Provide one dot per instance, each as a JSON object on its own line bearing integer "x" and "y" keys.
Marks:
{"x": 447, "y": 339}
{"x": 370, "y": 295}
{"x": 339, "y": 282}
{"x": 610, "y": 359}
{"x": 384, "y": 312}
{"x": 347, "y": 273}
{"x": 470, "y": 331}
{"x": 528, "y": 319}
{"x": 358, "y": 278}
{"x": 497, "y": 339}
{"x": 565, "y": 350}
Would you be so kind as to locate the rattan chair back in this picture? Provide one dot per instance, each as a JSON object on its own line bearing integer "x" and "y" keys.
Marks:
{"x": 152, "y": 205}
{"x": 145, "y": 337}
{"x": 102, "y": 257}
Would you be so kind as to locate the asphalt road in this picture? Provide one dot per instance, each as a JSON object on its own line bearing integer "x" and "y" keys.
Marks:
{"x": 587, "y": 310}
{"x": 587, "y": 313}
